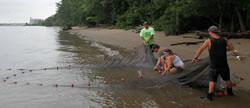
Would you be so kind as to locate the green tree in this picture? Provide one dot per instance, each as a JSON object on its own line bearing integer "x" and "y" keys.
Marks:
{"x": 171, "y": 16}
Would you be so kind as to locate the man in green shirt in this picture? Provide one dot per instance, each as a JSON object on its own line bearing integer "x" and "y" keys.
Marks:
{"x": 147, "y": 35}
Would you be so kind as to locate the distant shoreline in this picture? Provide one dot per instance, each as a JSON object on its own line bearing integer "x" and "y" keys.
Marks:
{"x": 12, "y": 24}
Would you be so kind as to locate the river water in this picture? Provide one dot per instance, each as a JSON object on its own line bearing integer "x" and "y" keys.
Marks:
{"x": 44, "y": 67}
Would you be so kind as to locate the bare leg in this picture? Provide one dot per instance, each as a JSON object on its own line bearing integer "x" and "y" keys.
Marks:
{"x": 162, "y": 63}
{"x": 211, "y": 87}
{"x": 229, "y": 84}
{"x": 165, "y": 67}
{"x": 210, "y": 91}
{"x": 229, "y": 87}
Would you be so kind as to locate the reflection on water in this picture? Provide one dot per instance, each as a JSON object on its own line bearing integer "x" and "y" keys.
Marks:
{"x": 39, "y": 48}
{"x": 43, "y": 47}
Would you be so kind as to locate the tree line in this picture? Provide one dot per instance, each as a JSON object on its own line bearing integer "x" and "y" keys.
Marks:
{"x": 171, "y": 16}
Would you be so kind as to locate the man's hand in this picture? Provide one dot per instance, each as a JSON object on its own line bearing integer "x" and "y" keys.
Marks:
{"x": 146, "y": 41}
{"x": 196, "y": 60}
{"x": 201, "y": 49}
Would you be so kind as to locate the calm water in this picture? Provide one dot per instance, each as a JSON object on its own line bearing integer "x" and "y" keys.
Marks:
{"x": 37, "y": 48}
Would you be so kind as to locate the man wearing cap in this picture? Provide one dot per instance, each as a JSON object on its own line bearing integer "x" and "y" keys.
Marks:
{"x": 217, "y": 47}
{"x": 147, "y": 35}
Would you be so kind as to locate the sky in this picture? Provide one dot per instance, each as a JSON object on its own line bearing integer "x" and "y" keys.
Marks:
{"x": 20, "y": 11}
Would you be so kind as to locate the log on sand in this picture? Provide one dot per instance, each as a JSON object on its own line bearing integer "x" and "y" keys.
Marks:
{"x": 187, "y": 43}
{"x": 228, "y": 35}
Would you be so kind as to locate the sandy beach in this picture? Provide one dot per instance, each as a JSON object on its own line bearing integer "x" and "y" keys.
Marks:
{"x": 129, "y": 39}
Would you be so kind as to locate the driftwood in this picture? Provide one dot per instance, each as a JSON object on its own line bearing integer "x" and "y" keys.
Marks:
{"x": 195, "y": 37}
{"x": 187, "y": 43}
{"x": 228, "y": 35}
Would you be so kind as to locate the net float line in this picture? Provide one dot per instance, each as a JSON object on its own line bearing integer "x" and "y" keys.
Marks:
{"x": 56, "y": 85}
{"x": 45, "y": 70}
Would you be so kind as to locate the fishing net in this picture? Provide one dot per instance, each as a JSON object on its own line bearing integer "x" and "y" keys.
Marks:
{"x": 140, "y": 56}
{"x": 138, "y": 62}
{"x": 135, "y": 69}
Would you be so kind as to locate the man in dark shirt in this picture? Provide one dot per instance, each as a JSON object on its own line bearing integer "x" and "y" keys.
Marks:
{"x": 217, "y": 47}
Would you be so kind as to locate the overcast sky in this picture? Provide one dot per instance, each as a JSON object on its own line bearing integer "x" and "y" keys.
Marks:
{"x": 19, "y": 11}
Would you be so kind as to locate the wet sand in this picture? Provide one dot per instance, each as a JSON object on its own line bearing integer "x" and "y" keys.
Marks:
{"x": 129, "y": 39}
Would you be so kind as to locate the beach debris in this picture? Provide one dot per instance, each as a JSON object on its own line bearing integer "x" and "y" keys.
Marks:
{"x": 238, "y": 57}
{"x": 14, "y": 75}
{"x": 27, "y": 83}
{"x": 15, "y": 82}
{"x": 56, "y": 85}
{"x": 88, "y": 83}
{"x": 173, "y": 102}
{"x": 72, "y": 85}
{"x": 41, "y": 84}
{"x": 4, "y": 80}
{"x": 235, "y": 53}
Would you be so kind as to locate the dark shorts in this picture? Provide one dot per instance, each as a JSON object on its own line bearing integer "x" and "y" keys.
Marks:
{"x": 178, "y": 69}
{"x": 214, "y": 73}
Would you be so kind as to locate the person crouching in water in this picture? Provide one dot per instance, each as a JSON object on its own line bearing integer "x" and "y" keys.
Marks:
{"x": 217, "y": 47}
{"x": 172, "y": 63}
{"x": 160, "y": 63}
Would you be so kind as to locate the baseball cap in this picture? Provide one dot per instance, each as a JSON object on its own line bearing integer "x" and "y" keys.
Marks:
{"x": 213, "y": 29}
{"x": 145, "y": 23}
